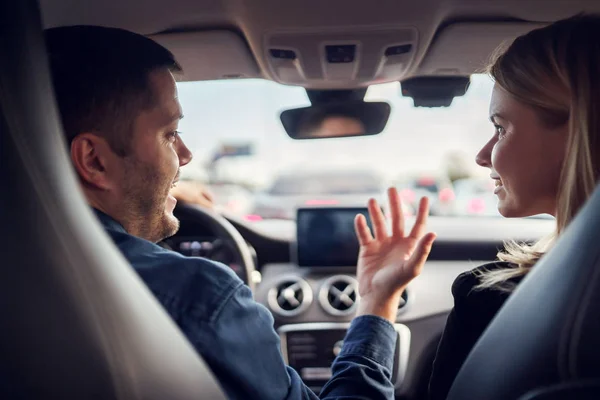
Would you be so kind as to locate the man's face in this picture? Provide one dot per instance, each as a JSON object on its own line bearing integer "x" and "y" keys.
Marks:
{"x": 151, "y": 169}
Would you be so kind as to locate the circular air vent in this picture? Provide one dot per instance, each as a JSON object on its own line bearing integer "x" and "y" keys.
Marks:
{"x": 339, "y": 295}
{"x": 290, "y": 297}
{"x": 404, "y": 299}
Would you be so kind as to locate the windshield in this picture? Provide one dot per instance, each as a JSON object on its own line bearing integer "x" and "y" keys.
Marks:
{"x": 326, "y": 183}
{"x": 234, "y": 131}
{"x": 428, "y": 184}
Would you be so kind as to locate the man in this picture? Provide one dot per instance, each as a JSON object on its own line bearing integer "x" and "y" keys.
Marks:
{"x": 118, "y": 103}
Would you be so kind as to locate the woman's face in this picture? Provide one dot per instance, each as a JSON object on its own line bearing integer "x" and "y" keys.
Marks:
{"x": 524, "y": 157}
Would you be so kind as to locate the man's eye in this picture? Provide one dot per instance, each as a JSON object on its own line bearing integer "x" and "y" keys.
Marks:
{"x": 174, "y": 135}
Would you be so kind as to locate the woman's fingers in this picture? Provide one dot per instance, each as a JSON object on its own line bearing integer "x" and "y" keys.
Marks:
{"x": 396, "y": 211}
{"x": 419, "y": 256}
{"x": 378, "y": 219}
{"x": 421, "y": 221}
{"x": 363, "y": 233}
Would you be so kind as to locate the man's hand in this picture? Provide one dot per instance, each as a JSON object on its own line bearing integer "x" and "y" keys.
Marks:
{"x": 387, "y": 263}
{"x": 193, "y": 193}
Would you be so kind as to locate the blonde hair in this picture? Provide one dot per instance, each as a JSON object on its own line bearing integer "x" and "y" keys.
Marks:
{"x": 556, "y": 71}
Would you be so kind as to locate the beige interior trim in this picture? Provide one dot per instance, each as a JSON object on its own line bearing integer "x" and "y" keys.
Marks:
{"x": 475, "y": 42}
{"x": 211, "y": 55}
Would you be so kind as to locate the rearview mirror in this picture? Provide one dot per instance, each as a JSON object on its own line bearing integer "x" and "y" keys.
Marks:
{"x": 339, "y": 119}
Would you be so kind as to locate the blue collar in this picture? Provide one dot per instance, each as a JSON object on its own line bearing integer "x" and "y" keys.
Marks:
{"x": 108, "y": 222}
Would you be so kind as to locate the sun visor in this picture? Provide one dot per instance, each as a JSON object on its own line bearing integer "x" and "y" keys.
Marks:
{"x": 210, "y": 55}
{"x": 466, "y": 48}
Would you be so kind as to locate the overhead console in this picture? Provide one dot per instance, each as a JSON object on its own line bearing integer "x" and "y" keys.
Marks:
{"x": 329, "y": 59}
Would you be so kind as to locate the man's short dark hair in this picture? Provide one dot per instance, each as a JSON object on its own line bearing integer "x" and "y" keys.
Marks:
{"x": 101, "y": 79}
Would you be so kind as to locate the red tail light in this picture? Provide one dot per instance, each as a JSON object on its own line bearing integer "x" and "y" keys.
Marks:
{"x": 476, "y": 206}
{"x": 426, "y": 181}
{"x": 446, "y": 195}
{"x": 408, "y": 195}
{"x": 234, "y": 205}
{"x": 321, "y": 202}
{"x": 253, "y": 217}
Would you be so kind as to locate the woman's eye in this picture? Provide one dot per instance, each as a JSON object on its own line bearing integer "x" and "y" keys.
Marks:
{"x": 499, "y": 130}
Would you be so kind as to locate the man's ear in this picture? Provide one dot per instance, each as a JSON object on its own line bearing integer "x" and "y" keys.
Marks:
{"x": 91, "y": 155}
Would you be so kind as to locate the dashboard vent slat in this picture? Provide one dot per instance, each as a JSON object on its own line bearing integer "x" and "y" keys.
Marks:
{"x": 404, "y": 302}
{"x": 339, "y": 295}
{"x": 290, "y": 297}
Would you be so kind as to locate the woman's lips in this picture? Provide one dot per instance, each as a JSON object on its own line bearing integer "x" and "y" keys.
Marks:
{"x": 497, "y": 183}
{"x": 499, "y": 186}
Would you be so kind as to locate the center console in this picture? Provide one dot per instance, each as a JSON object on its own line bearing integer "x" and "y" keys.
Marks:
{"x": 311, "y": 348}
{"x": 325, "y": 254}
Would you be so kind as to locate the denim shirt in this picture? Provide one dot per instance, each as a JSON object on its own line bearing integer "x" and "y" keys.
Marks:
{"x": 235, "y": 336}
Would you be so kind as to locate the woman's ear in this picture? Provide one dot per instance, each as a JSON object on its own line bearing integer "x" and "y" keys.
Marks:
{"x": 90, "y": 155}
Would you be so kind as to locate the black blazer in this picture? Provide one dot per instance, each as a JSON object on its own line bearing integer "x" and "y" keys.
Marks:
{"x": 473, "y": 310}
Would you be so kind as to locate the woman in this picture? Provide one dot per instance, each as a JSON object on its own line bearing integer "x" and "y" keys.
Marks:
{"x": 544, "y": 157}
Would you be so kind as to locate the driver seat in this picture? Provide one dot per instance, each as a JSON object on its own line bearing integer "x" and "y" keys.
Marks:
{"x": 77, "y": 322}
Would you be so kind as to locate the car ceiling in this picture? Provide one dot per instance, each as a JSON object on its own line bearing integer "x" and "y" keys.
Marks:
{"x": 217, "y": 39}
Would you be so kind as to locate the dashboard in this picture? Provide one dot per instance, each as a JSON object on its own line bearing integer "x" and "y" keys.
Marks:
{"x": 314, "y": 297}
{"x": 211, "y": 247}
{"x": 325, "y": 237}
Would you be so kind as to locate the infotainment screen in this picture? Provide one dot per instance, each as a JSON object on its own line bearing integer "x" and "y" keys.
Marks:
{"x": 326, "y": 238}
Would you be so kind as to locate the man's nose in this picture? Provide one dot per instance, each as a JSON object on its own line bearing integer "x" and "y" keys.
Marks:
{"x": 484, "y": 157}
{"x": 185, "y": 155}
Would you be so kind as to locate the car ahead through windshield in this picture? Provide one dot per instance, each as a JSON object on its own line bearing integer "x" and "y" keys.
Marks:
{"x": 300, "y": 189}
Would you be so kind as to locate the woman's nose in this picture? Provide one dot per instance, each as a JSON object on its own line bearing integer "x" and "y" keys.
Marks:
{"x": 484, "y": 157}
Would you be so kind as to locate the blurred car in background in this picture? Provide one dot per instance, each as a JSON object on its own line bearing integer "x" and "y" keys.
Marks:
{"x": 342, "y": 188}
{"x": 232, "y": 199}
{"x": 437, "y": 188}
{"x": 475, "y": 197}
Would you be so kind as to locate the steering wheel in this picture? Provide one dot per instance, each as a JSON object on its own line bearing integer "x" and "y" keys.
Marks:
{"x": 224, "y": 231}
